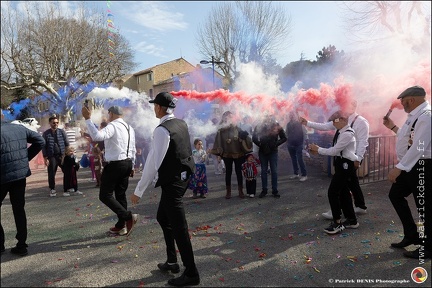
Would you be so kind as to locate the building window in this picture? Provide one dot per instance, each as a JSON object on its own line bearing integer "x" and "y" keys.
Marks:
{"x": 151, "y": 93}
{"x": 149, "y": 77}
{"x": 138, "y": 80}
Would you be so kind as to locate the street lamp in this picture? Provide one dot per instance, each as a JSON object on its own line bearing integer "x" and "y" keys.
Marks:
{"x": 213, "y": 68}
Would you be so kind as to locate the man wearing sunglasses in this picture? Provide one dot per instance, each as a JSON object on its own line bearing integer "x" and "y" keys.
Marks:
{"x": 56, "y": 142}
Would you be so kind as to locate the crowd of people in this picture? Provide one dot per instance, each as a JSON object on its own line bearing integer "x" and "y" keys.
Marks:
{"x": 175, "y": 166}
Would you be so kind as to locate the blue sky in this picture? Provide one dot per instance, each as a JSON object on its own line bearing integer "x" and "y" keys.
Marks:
{"x": 165, "y": 30}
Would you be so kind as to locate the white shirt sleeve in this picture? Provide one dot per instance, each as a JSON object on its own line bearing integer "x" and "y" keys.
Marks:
{"x": 158, "y": 150}
{"x": 321, "y": 126}
{"x": 99, "y": 135}
{"x": 343, "y": 141}
{"x": 421, "y": 147}
{"x": 361, "y": 128}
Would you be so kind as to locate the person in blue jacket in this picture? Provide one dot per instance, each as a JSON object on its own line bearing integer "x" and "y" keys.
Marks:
{"x": 15, "y": 158}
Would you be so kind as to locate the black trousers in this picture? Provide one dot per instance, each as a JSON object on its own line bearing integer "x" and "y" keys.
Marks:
{"x": 172, "y": 219}
{"x": 115, "y": 179}
{"x": 229, "y": 168}
{"x": 54, "y": 162}
{"x": 251, "y": 186}
{"x": 339, "y": 192}
{"x": 418, "y": 183}
{"x": 16, "y": 190}
{"x": 357, "y": 192}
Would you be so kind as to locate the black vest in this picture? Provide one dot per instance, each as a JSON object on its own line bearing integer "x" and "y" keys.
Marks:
{"x": 178, "y": 158}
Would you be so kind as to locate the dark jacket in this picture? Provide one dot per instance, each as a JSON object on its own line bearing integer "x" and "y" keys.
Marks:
{"x": 49, "y": 136}
{"x": 269, "y": 136}
{"x": 228, "y": 142}
{"x": 15, "y": 155}
{"x": 178, "y": 158}
{"x": 296, "y": 133}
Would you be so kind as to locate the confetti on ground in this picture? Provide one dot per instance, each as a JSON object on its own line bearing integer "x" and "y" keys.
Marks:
{"x": 352, "y": 258}
{"x": 49, "y": 282}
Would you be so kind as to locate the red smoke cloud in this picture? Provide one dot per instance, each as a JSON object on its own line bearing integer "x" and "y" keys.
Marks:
{"x": 325, "y": 98}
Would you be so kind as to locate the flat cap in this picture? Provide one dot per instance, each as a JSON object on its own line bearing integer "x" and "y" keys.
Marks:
{"x": 338, "y": 114}
{"x": 412, "y": 91}
{"x": 164, "y": 99}
{"x": 116, "y": 110}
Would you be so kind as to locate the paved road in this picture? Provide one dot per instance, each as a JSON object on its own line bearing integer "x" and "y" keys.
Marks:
{"x": 237, "y": 242}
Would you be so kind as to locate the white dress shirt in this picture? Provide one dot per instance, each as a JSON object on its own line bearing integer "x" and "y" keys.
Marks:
{"x": 115, "y": 137}
{"x": 345, "y": 143}
{"x": 421, "y": 147}
{"x": 158, "y": 149}
{"x": 360, "y": 127}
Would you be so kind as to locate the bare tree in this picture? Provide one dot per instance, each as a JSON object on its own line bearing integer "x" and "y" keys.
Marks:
{"x": 56, "y": 55}
{"x": 374, "y": 20}
{"x": 243, "y": 31}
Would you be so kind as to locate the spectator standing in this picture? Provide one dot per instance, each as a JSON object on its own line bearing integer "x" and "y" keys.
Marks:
{"x": 119, "y": 138}
{"x": 89, "y": 150}
{"x": 268, "y": 136}
{"x": 217, "y": 160}
{"x": 15, "y": 158}
{"x": 296, "y": 141}
{"x": 98, "y": 165}
{"x": 198, "y": 182}
{"x": 343, "y": 152}
{"x": 56, "y": 142}
{"x": 228, "y": 145}
{"x": 250, "y": 172}
{"x": 412, "y": 173}
{"x": 170, "y": 165}
{"x": 71, "y": 135}
{"x": 139, "y": 162}
{"x": 70, "y": 166}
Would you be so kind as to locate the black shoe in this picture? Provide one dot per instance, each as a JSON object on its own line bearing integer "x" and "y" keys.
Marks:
{"x": 174, "y": 268}
{"x": 417, "y": 254}
{"x": 3, "y": 249}
{"x": 262, "y": 194}
{"x": 21, "y": 251}
{"x": 184, "y": 280}
{"x": 405, "y": 242}
{"x": 276, "y": 195}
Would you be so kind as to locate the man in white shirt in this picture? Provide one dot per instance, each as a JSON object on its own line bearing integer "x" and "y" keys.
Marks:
{"x": 119, "y": 140}
{"x": 361, "y": 128}
{"x": 170, "y": 164}
{"x": 412, "y": 173}
{"x": 343, "y": 152}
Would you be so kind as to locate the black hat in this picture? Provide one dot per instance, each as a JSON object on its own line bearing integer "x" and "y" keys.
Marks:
{"x": 164, "y": 99}
{"x": 412, "y": 91}
{"x": 116, "y": 110}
